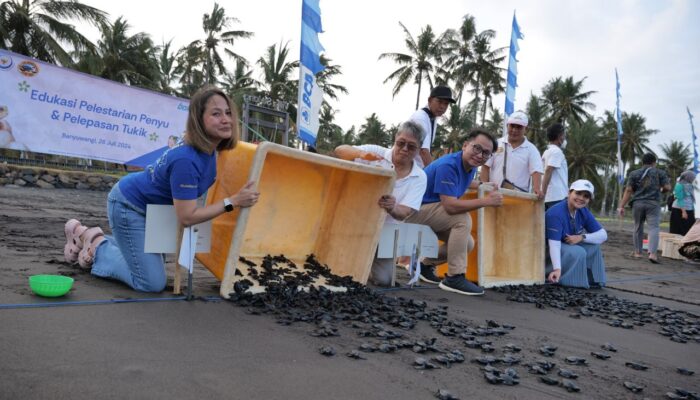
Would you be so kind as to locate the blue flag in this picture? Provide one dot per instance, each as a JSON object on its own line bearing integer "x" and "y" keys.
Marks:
{"x": 695, "y": 149}
{"x": 310, "y": 96}
{"x": 618, "y": 115}
{"x": 512, "y": 80}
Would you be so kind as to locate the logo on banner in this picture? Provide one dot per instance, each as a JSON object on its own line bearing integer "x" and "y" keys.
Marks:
{"x": 28, "y": 68}
{"x": 5, "y": 61}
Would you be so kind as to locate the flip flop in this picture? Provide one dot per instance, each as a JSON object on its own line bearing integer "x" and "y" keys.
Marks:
{"x": 91, "y": 239}
{"x": 73, "y": 229}
{"x": 654, "y": 261}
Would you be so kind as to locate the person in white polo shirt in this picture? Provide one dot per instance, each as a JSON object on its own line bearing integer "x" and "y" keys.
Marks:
{"x": 556, "y": 171}
{"x": 440, "y": 98}
{"x": 516, "y": 164}
{"x": 409, "y": 187}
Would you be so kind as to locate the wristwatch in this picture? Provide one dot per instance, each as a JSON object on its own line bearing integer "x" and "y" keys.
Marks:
{"x": 583, "y": 236}
{"x": 228, "y": 207}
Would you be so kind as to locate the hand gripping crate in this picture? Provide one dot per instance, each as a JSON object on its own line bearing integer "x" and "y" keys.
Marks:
{"x": 509, "y": 241}
{"x": 309, "y": 203}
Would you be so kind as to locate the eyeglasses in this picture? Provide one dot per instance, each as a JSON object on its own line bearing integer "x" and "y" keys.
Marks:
{"x": 477, "y": 149}
{"x": 409, "y": 146}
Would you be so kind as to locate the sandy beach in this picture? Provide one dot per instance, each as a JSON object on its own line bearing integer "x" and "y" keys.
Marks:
{"x": 116, "y": 343}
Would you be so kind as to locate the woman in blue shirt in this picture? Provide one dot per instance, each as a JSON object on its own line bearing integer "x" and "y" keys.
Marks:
{"x": 180, "y": 176}
{"x": 574, "y": 238}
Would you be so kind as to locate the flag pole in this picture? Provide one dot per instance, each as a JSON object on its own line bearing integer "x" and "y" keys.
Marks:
{"x": 512, "y": 79}
{"x": 695, "y": 148}
{"x": 620, "y": 166}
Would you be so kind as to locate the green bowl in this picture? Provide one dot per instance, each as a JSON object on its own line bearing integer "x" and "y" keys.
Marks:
{"x": 50, "y": 285}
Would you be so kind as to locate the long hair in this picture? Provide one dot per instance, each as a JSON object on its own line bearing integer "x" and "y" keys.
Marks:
{"x": 196, "y": 136}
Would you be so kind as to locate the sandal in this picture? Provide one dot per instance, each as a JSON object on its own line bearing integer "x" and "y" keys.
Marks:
{"x": 91, "y": 239}
{"x": 73, "y": 229}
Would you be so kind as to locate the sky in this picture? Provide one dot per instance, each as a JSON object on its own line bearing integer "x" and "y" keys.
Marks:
{"x": 654, "y": 44}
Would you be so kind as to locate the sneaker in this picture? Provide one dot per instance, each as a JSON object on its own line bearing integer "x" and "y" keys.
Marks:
{"x": 460, "y": 284}
{"x": 427, "y": 274}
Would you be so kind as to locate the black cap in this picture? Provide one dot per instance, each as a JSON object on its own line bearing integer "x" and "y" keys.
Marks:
{"x": 442, "y": 92}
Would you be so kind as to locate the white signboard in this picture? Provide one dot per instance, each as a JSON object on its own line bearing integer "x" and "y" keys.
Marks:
{"x": 49, "y": 109}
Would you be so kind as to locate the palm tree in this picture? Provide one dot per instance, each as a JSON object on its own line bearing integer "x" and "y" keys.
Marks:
{"x": 495, "y": 122}
{"x": 279, "y": 79}
{"x": 422, "y": 59}
{"x": 460, "y": 55}
{"x": 373, "y": 131}
{"x": 486, "y": 77}
{"x": 451, "y": 136}
{"x": 34, "y": 28}
{"x": 566, "y": 100}
{"x": 536, "y": 128}
{"x": 213, "y": 25}
{"x": 677, "y": 158}
{"x": 635, "y": 138}
{"x": 240, "y": 82}
{"x": 124, "y": 58}
{"x": 167, "y": 68}
{"x": 586, "y": 152}
{"x": 330, "y": 134}
{"x": 350, "y": 137}
{"x": 190, "y": 59}
{"x": 323, "y": 79}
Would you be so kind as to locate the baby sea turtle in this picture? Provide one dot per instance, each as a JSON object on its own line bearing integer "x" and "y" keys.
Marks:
{"x": 682, "y": 394}
{"x": 485, "y": 360}
{"x": 509, "y": 359}
{"x": 570, "y": 386}
{"x": 633, "y": 387}
{"x": 548, "y": 350}
{"x": 609, "y": 347}
{"x": 546, "y": 365}
{"x": 510, "y": 347}
{"x": 536, "y": 369}
{"x": 637, "y": 366}
{"x": 443, "y": 394}
{"x": 368, "y": 347}
{"x": 422, "y": 363}
{"x": 685, "y": 371}
{"x": 487, "y": 348}
{"x": 327, "y": 351}
{"x": 356, "y": 355}
{"x": 567, "y": 373}
{"x": 599, "y": 355}
{"x": 548, "y": 380}
{"x": 573, "y": 360}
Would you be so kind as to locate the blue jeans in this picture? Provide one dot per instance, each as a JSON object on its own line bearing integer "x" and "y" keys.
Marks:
{"x": 122, "y": 256}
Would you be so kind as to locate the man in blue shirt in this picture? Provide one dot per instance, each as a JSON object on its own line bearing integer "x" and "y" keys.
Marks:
{"x": 448, "y": 215}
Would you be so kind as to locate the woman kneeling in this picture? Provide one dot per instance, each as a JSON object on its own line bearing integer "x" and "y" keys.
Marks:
{"x": 574, "y": 238}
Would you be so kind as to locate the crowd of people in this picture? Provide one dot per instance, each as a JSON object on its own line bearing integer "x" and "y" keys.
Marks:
{"x": 428, "y": 192}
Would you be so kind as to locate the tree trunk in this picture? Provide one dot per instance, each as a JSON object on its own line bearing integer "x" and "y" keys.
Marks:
{"x": 606, "y": 182}
{"x": 420, "y": 79}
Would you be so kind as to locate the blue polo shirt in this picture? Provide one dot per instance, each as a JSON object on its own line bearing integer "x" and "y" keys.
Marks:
{"x": 559, "y": 224}
{"x": 447, "y": 176}
{"x": 182, "y": 173}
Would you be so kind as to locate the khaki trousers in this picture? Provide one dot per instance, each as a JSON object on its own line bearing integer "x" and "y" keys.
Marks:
{"x": 453, "y": 230}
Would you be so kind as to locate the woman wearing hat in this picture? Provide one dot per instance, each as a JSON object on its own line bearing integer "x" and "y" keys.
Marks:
{"x": 682, "y": 210}
{"x": 574, "y": 238}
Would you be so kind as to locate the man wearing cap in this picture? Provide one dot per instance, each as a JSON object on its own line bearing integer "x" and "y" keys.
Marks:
{"x": 447, "y": 214}
{"x": 517, "y": 164}
{"x": 574, "y": 238}
{"x": 440, "y": 98}
{"x": 644, "y": 187}
{"x": 556, "y": 171}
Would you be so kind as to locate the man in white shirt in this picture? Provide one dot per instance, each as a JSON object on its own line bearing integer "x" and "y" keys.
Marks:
{"x": 440, "y": 98}
{"x": 556, "y": 170}
{"x": 516, "y": 164}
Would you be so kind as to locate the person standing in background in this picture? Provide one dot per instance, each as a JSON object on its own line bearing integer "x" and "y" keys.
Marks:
{"x": 683, "y": 207}
{"x": 643, "y": 189}
{"x": 556, "y": 171}
{"x": 426, "y": 117}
